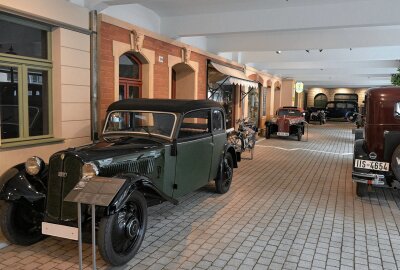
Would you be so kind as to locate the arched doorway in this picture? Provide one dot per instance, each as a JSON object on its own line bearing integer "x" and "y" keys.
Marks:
{"x": 320, "y": 101}
{"x": 182, "y": 82}
{"x": 130, "y": 77}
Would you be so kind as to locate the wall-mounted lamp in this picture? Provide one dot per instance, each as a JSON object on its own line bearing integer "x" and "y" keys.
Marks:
{"x": 299, "y": 87}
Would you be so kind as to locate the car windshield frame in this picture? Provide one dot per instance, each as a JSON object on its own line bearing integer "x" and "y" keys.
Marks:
{"x": 298, "y": 113}
{"x": 121, "y": 132}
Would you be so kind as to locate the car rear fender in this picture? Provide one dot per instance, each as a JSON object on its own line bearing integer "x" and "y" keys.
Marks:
{"x": 235, "y": 155}
{"x": 14, "y": 186}
{"x": 140, "y": 183}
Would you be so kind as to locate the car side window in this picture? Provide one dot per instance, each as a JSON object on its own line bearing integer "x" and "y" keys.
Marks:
{"x": 217, "y": 121}
{"x": 397, "y": 110}
{"x": 195, "y": 123}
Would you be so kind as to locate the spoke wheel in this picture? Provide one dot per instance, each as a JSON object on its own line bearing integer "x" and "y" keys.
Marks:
{"x": 121, "y": 234}
{"x": 225, "y": 175}
{"x": 21, "y": 223}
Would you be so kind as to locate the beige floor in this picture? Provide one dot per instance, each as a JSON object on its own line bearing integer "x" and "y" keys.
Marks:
{"x": 293, "y": 206}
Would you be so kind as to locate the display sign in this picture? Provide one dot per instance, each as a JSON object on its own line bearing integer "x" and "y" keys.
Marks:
{"x": 96, "y": 190}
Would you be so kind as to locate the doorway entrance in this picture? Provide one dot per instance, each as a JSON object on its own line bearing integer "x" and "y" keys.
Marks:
{"x": 182, "y": 82}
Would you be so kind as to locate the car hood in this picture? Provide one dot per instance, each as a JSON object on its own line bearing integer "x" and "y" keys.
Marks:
{"x": 105, "y": 152}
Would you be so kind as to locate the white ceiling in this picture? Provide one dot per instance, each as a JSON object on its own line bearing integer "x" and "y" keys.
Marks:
{"x": 360, "y": 39}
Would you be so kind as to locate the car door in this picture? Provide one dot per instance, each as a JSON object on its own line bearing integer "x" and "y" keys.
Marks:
{"x": 219, "y": 140}
{"x": 194, "y": 152}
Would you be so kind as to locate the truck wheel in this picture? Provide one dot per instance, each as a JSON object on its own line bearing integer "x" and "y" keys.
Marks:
{"x": 361, "y": 189}
{"x": 21, "y": 224}
{"x": 224, "y": 178}
{"x": 299, "y": 134}
{"x": 395, "y": 164}
{"x": 267, "y": 133}
{"x": 121, "y": 234}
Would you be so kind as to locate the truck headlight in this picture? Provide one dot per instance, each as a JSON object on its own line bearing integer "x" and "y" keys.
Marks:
{"x": 89, "y": 170}
{"x": 33, "y": 165}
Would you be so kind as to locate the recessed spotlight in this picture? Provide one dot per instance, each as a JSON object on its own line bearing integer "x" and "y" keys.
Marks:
{"x": 278, "y": 52}
{"x": 308, "y": 51}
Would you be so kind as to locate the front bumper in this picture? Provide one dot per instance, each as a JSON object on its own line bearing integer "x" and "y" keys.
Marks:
{"x": 369, "y": 178}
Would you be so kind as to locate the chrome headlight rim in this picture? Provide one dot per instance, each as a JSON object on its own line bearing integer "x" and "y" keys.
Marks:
{"x": 89, "y": 170}
{"x": 33, "y": 165}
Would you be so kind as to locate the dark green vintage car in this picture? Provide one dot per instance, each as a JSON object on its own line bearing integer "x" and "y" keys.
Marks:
{"x": 164, "y": 149}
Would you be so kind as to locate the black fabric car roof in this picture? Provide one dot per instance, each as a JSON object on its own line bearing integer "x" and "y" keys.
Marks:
{"x": 163, "y": 105}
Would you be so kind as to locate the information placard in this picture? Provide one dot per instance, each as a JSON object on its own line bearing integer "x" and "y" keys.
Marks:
{"x": 95, "y": 191}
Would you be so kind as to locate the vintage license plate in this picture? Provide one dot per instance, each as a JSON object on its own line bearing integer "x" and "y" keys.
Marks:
{"x": 60, "y": 230}
{"x": 371, "y": 165}
{"x": 283, "y": 133}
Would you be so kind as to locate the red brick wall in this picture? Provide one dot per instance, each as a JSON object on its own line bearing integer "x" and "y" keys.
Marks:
{"x": 108, "y": 33}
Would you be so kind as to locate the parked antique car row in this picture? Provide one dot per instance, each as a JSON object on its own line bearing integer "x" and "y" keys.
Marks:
{"x": 155, "y": 146}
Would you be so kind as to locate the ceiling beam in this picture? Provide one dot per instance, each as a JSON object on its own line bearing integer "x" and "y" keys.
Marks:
{"x": 330, "y": 16}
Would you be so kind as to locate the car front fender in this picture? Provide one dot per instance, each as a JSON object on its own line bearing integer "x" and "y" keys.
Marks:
{"x": 15, "y": 185}
{"x": 136, "y": 182}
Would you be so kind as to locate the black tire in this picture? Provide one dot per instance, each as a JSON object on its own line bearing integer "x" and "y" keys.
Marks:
{"x": 225, "y": 175}
{"x": 394, "y": 164}
{"x": 299, "y": 134}
{"x": 21, "y": 223}
{"x": 121, "y": 234}
{"x": 252, "y": 145}
{"x": 267, "y": 133}
{"x": 361, "y": 189}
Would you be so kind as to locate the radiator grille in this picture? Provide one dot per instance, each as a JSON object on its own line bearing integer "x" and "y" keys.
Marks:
{"x": 59, "y": 187}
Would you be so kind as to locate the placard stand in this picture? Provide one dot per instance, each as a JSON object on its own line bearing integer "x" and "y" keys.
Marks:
{"x": 92, "y": 191}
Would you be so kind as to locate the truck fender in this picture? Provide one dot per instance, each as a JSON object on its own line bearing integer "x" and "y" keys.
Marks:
{"x": 359, "y": 150}
{"x": 139, "y": 183}
{"x": 15, "y": 186}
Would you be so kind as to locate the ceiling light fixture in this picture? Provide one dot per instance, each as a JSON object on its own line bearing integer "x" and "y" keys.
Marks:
{"x": 320, "y": 50}
{"x": 278, "y": 52}
{"x": 308, "y": 51}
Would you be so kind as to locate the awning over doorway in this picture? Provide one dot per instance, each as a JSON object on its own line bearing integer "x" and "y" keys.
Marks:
{"x": 235, "y": 76}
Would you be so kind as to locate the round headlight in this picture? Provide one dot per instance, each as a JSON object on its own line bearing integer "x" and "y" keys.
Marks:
{"x": 89, "y": 170}
{"x": 33, "y": 165}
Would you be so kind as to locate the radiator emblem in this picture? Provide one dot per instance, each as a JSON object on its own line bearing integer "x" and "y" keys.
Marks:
{"x": 62, "y": 174}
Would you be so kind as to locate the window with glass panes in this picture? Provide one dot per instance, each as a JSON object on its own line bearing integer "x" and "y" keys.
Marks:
{"x": 25, "y": 80}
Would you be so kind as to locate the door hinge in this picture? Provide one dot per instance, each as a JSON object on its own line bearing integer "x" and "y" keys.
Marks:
{"x": 175, "y": 186}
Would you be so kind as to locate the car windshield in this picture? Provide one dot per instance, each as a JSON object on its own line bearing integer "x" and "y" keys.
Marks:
{"x": 289, "y": 112}
{"x": 150, "y": 123}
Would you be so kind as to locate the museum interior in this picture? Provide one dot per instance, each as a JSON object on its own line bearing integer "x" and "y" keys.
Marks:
{"x": 201, "y": 134}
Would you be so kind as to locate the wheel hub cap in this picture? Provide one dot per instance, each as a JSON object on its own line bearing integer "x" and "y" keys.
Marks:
{"x": 132, "y": 227}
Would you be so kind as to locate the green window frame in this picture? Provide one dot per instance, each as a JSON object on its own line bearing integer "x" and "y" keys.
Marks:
{"x": 23, "y": 65}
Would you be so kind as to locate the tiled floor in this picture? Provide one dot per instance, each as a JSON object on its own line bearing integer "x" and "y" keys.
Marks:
{"x": 293, "y": 206}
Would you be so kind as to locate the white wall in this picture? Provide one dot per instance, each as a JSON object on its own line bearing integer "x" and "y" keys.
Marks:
{"x": 70, "y": 82}
{"x": 58, "y": 10}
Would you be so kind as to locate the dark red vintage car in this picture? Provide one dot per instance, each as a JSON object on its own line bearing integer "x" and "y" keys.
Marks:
{"x": 288, "y": 121}
{"x": 376, "y": 158}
